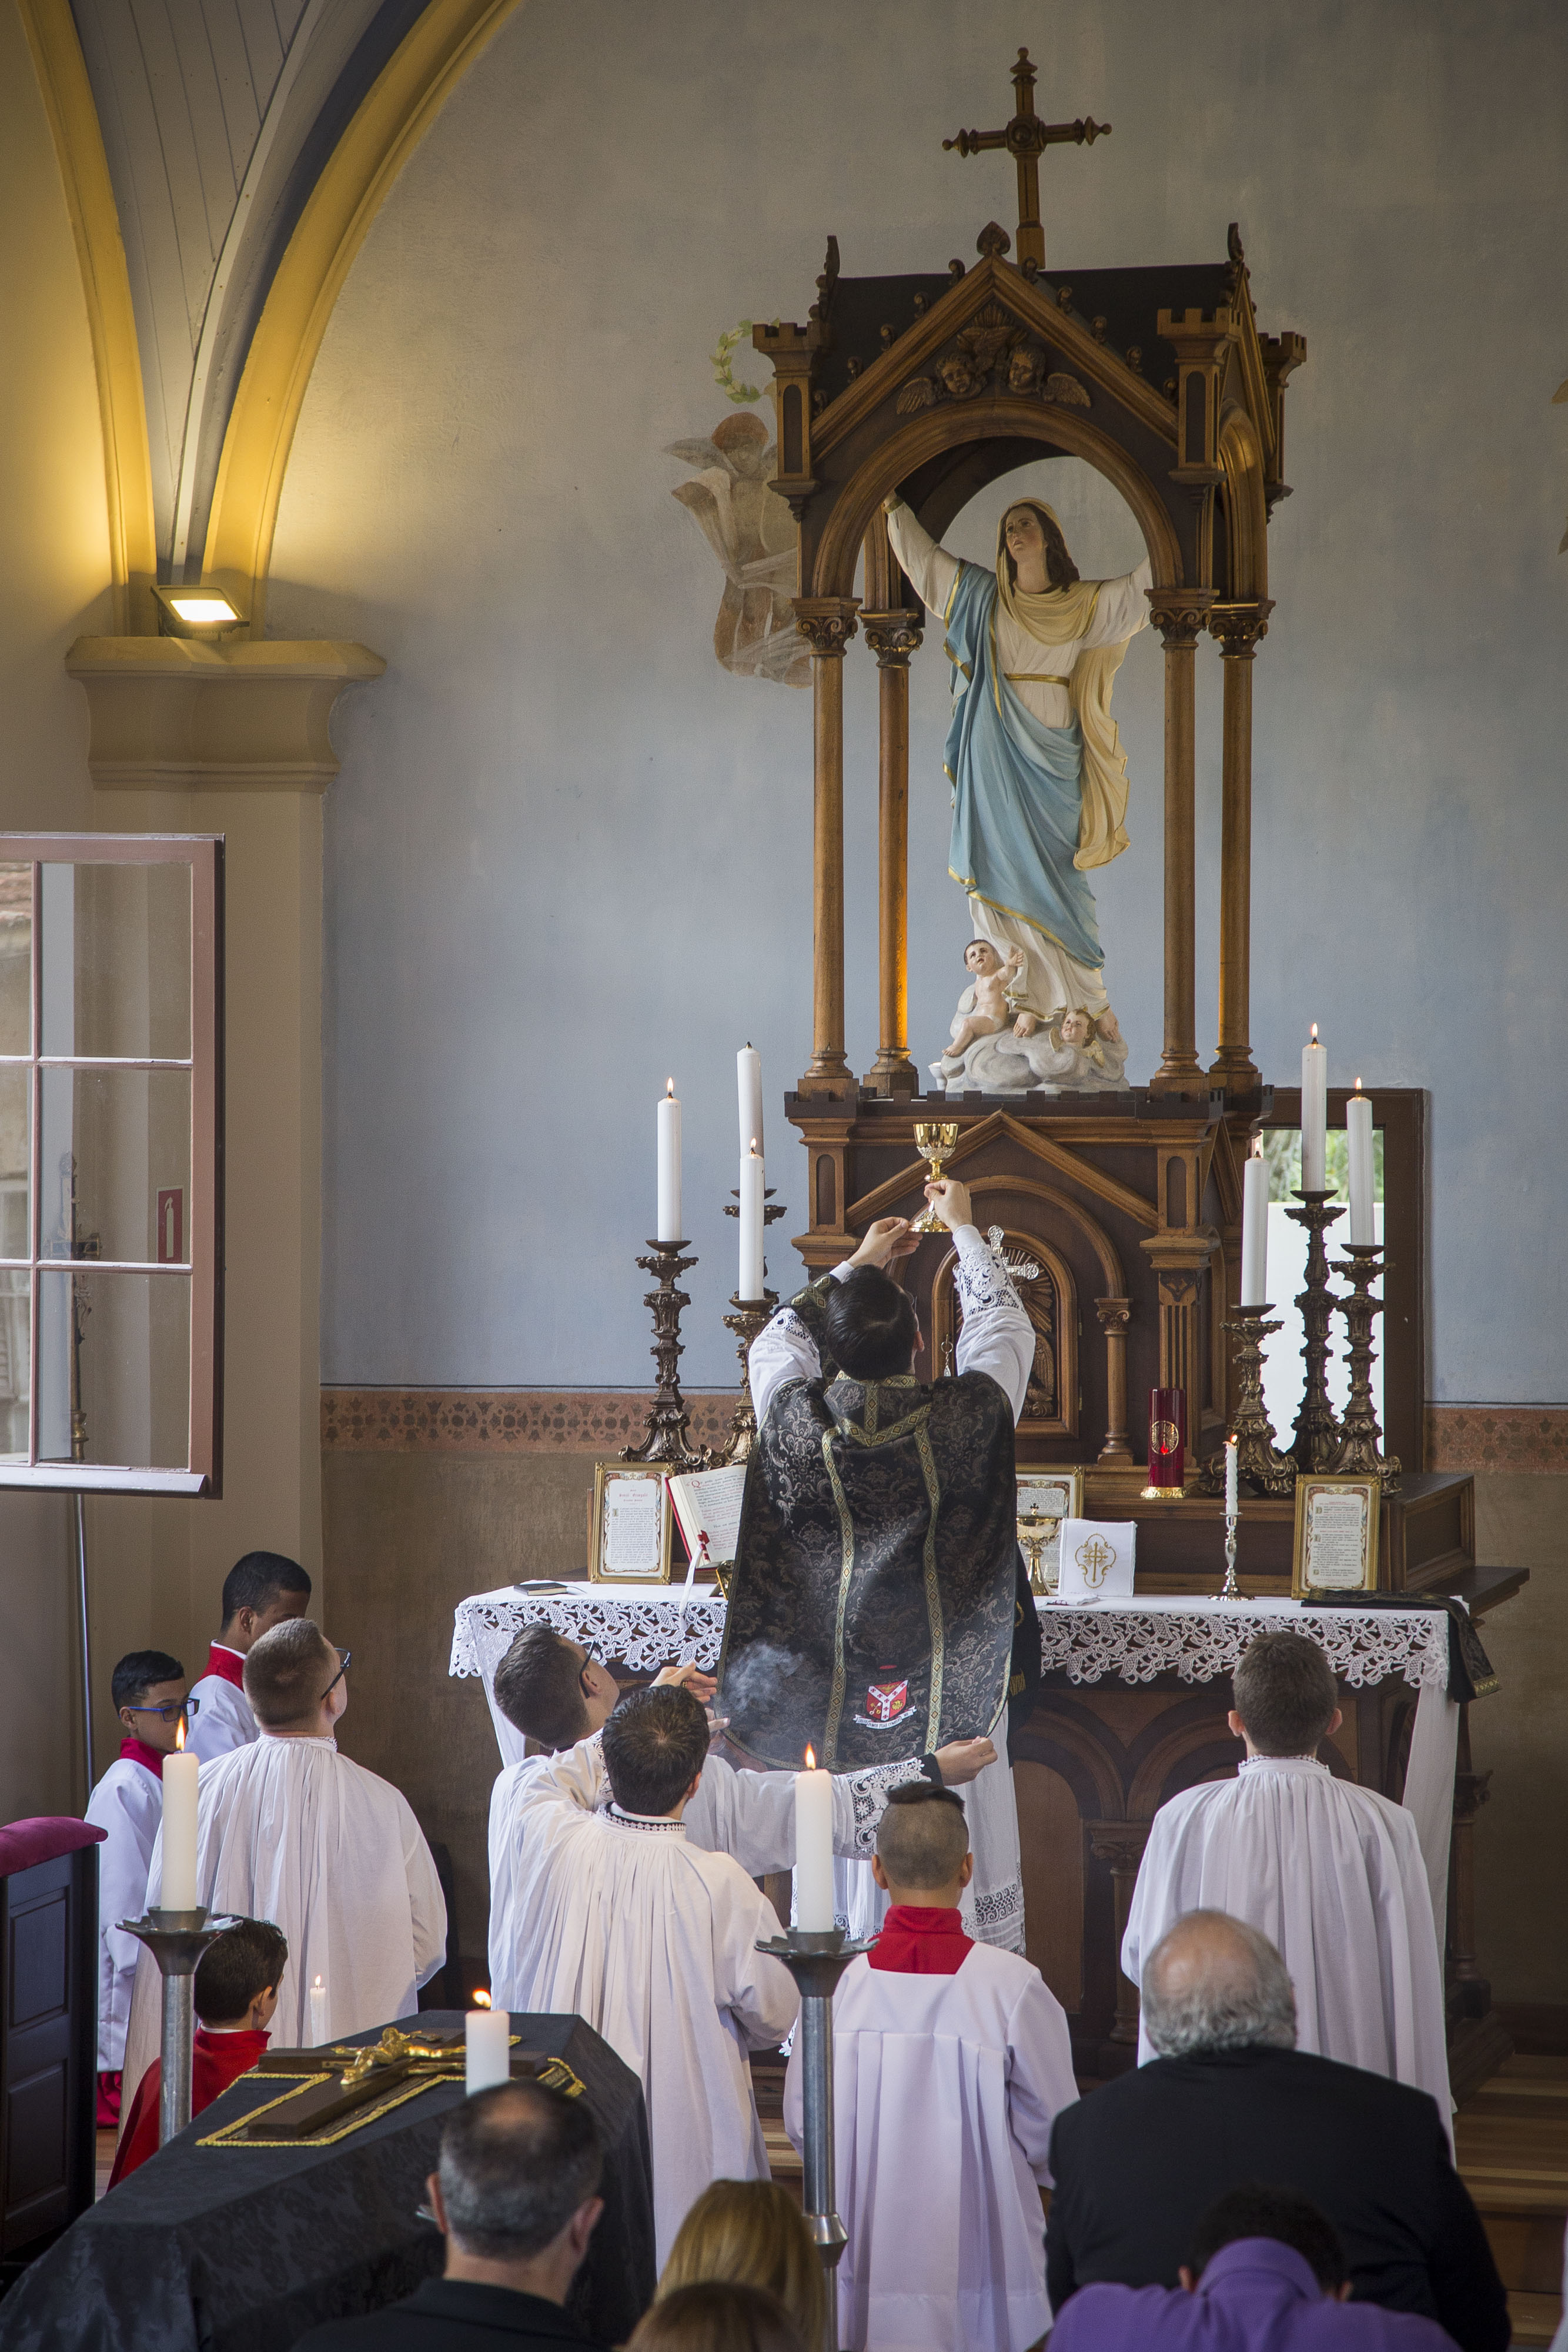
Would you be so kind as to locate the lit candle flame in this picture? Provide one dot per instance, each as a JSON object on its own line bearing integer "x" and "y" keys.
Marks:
{"x": 1256, "y": 1150}
{"x": 179, "y": 1734}
{"x": 1314, "y": 1033}
{"x": 670, "y": 1083}
{"x": 1231, "y": 1443}
{"x": 481, "y": 1998}
{"x": 318, "y": 1985}
{"x": 1358, "y": 1086}
{"x": 810, "y": 1760}
{"x": 754, "y": 1147}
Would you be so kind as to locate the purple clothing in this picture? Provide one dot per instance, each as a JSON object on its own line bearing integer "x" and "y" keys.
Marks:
{"x": 1255, "y": 2296}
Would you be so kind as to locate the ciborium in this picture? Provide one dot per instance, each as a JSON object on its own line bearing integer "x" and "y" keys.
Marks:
{"x": 937, "y": 1138}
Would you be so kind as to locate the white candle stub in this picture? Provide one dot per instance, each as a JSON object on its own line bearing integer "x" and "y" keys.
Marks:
{"x": 1232, "y": 1500}
{"x": 813, "y": 1849}
{"x": 318, "y": 2013}
{"x": 1358, "y": 1136}
{"x": 1314, "y": 1116}
{"x": 181, "y": 1780}
{"x": 487, "y": 2047}
{"x": 753, "y": 1182}
{"x": 1255, "y": 1229}
{"x": 668, "y": 1228}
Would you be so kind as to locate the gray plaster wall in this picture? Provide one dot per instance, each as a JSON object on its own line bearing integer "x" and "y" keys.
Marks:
{"x": 568, "y": 855}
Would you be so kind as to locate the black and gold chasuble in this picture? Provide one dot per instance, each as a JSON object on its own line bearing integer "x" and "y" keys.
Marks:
{"x": 875, "y": 1597}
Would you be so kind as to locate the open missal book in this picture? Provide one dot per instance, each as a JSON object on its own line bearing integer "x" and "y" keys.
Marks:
{"x": 707, "y": 1512}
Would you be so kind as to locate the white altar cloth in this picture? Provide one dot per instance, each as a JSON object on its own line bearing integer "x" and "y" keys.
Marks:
{"x": 1197, "y": 1639}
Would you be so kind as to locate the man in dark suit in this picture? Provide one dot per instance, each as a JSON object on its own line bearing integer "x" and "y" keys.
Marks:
{"x": 515, "y": 2198}
{"x": 1229, "y": 2099}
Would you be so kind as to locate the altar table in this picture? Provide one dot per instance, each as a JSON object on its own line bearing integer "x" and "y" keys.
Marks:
{"x": 242, "y": 2249}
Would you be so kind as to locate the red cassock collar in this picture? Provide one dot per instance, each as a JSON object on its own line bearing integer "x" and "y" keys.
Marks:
{"x": 916, "y": 1941}
{"x": 227, "y": 1665}
{"x": 138, "y": 1752}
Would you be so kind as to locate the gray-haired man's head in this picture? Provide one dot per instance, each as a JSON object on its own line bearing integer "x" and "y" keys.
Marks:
{"x": 1214, "y": 1983}
{"x": 517, "y": 2162}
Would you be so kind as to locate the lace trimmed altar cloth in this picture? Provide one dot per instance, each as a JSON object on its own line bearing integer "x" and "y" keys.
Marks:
{"x": 1196, "y": 1638}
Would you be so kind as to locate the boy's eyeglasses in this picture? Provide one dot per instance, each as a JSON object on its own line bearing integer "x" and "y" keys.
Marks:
{"x": 347, "y": 1656}
{"x": 187, "y": 1707}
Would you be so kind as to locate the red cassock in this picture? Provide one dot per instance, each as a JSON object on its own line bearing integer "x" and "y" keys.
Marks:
{"x": 218, "y": 2060}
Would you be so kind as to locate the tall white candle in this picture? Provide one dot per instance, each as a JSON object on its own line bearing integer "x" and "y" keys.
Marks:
{"x": 1358, "y": 1132}
{"x": 181, "y": 1777}
{"x": 813, "y": 1849}
{"x": 752, "y": 1184}
{"x": 1232, "y": 1500}
{"x": 1255, "y": 1229}
{"x": 1314, "y": 1116}
{"x": 318, "y": 2013}
{"x": 486, "y": 2049}
{"x": 748, "y": 1082}
{"x": 669, "y": 1225}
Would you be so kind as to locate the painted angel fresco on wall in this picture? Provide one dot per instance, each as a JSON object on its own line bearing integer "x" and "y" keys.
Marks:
{"x": 751, "y": 530}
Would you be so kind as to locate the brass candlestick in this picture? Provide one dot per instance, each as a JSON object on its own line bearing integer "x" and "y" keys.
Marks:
{"x": 1358, "y": 1455}
{"x": 1258, "y": 1461}
{"x": 936, "y": 1138}
{"x": 666, "y": 1441}
{"x": 1317, "y": 1433}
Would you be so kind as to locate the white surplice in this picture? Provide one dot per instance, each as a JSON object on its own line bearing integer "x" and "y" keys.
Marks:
{"x": 1332, "y": 1875}
{"x": 127, "y": 1803}
{"x": 945, "y": 2091}
{"x": 291, "y": 1830}
{"x": 997, "y": 1337}
{"x": 224, "y": 1721}
{"x": 627, "y": 1924}
{"x": 750, "y": 1816}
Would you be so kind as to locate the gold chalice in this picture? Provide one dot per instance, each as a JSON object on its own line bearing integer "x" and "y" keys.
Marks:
{"x": 937, "y": 1140}
{"x": 1037, "y": 1530}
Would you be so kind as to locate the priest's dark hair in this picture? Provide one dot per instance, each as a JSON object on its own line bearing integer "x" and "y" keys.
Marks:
{"x": 923, "y": 1835}
{"x": 245, "y": 1960}
{"x": 1251, "y": 2210}
{"x": 870, "y": 1325}
{"x": 538, "y": 1689}
{"x": 137, "y": 1672}
{"x": 716, "y": 2315}
{"x": 516, "y": 2163}
{"x": 655, "y": 1744}
{"x": 1285, "y": 1693}
{"x": 286, "y": 1673}
{"x": 257, "y": 1578}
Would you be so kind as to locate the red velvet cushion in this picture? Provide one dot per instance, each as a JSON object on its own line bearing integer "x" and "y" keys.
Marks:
{"x": 23, "y": 1844}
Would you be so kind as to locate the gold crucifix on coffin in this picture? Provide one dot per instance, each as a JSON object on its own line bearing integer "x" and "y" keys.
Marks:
{"x": 1026, "y": 139}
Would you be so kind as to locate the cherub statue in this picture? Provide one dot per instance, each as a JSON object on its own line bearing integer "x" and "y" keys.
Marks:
{"x": 750, "y": 530}
{"x": 984, "y": 1007}
{"x": 1098, "y": 1042}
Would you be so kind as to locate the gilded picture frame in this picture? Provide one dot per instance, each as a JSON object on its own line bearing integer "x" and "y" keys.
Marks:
{"x": 614, "y": 1554}
{"x": 1337, "y": 1537}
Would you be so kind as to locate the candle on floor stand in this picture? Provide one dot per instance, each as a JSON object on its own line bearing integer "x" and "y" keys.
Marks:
{"x": 1255, "y": 1228}
{"x": 1314, "y": 1116}
{"x": 813, "y": 1849}
{"x": 1358, "y": 1134}
{"x": 748, "y": 1082}
{"x": 487, "y": 2046}
{"x": 318, "y": 2013}
{"x": 181, "y": 1777}
{"x": 669, "y": 1225}
{"x": 753, "y": 1182}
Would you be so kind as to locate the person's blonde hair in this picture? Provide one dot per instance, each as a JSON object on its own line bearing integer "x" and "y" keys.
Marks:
{"x": 751, "y": 2234}
{"x": 717, "y": 2316}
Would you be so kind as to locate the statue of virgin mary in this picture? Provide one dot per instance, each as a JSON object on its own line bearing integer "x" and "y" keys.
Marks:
{"x": 1038, "y": 776}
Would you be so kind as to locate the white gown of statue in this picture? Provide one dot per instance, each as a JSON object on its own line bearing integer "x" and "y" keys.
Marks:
{"x": 291, "y": 1830}
{"x": 128, "y": 1804}
{"x": 626, "y": 1924}
{"x": 945, "y": 2091}
{"x": 1332, "y": 1875}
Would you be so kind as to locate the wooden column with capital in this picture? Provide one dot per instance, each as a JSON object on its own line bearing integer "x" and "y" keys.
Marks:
{"x": 1238, "y": 628}
{"x": 1179, "y": 615}
{"x": 893, "y": 637}
{"x": 827, "y": 624}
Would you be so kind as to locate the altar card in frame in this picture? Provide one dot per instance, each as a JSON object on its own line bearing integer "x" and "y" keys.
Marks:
{"x": 1336, "y": 1536}
{"x": 629, "y": 1526}
{"x": 1046, "y": 1498}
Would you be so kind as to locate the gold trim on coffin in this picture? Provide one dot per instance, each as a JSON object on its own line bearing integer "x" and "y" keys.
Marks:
{"x": 554, "y": 2075}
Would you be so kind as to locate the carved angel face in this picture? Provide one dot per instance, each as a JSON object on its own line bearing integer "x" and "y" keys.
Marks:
{"x": 958, "y": 377}
{"x": 1076, "y": 1029}
{"x": 1023, "y": 371}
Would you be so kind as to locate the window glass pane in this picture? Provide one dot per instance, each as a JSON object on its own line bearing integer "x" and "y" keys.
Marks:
{"x": 15, "y": 1366}
{"x": 120, "y": 1141}
{"x": 1284, "y": 1373}
{"x": 15, "y": 1116}
{"x": 116, "y": 961}
{"x": 114, "y": 1360}
{"x": 16, "y": 958}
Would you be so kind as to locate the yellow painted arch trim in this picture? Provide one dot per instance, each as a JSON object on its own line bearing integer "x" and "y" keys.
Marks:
{"x": 392, "y": 119}
{"x": 112, "y": 322}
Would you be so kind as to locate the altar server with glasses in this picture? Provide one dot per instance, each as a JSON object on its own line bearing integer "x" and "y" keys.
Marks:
{"x": 261, "y": 1591}
{"x": 1330, "y": 1872}
{"x": 149, "y": 1688}
{"x": 289, "y": 1829}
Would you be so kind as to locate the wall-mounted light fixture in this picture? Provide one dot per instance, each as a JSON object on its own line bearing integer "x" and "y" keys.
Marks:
{"x": 196, "y": 612}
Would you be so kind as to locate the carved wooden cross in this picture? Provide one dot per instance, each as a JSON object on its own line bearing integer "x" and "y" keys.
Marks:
{"x": 1026, "y": 138}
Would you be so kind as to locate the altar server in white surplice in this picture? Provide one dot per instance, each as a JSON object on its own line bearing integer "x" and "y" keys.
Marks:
{"x": 259, "y": 1592}
{"x": 289, "y": 1829}
{"x": 550, "y": 1688}
{"x": 149, "y": 1688}
{"x": 654, "y": 1942}
{"x": 951, "y": 2061}
{"x": 1331, "y": 1873}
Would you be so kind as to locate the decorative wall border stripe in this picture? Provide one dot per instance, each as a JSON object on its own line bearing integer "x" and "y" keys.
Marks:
{"x": 1526, "y": 1438}
{"x": 503, "y": 1420}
